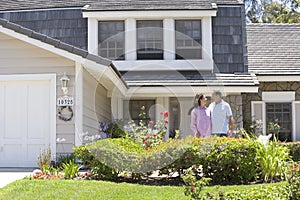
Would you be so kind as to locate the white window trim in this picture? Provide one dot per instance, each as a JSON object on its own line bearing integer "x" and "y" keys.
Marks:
{"x": 294, "y": 120}
{"x": 263, "y": 104}
{"x": 168, "y": 17}
{"x": 282, "y": 97}
{"x": 278, "y": 96}
{"x": 109, "y": 15}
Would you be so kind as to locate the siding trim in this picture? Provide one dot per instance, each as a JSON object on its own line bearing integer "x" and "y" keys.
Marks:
{"x": 78, "y": 103}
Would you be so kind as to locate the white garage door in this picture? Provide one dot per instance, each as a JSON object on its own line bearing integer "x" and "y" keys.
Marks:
{"x": 25, "y": 113}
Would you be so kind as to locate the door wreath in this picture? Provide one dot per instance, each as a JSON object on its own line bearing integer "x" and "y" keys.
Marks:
{"x": 65, "y": 113}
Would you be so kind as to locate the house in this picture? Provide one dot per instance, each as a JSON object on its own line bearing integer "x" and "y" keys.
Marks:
{"x": 118, "y": 57}
{"x": 274, "y": 56}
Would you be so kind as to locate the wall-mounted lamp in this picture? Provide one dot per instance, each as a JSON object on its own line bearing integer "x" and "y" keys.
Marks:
{"x": 64, "y": 83}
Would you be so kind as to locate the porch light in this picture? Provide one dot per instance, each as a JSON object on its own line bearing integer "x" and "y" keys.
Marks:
{"x": 64, "y": 83}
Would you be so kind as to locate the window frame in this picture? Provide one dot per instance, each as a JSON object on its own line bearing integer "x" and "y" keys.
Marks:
{"x": 195, "y": 42}
{"x": 154, "y": 52}
{"x": 113, "y": 41}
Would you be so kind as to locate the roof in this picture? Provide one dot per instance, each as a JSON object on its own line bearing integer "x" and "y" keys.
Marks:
{"x": 273, "y": 49}
{"x": 103, "y": 5}
{"x": 192, "y": 78}
{"x": 58, "y": 44}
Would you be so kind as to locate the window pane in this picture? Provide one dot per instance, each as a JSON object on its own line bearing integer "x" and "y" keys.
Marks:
{"x": 188, "y": 39}
{"x": 135, "y": 110}
{"x": 280, "y": 113}
{"x": 149, "y": 40}
{"x": 111, "y": 36}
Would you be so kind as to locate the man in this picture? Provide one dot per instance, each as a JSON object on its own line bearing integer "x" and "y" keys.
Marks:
{"x": 221, "y": 116}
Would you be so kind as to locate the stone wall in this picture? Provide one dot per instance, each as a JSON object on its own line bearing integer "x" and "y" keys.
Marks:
{"x": 236, "y": 103}
{"x": 266, "y": 86}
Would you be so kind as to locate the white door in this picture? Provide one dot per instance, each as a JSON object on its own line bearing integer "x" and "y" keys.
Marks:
{"x": 24, "y": 121}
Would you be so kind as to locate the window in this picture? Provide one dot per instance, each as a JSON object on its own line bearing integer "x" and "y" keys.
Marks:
{"x": 135, "y": 110}
{"x": 111, "y": 39}
{"x": 282, "y": 113}
{"x": 188, "y": 39}
{"x": 149, "y": 40}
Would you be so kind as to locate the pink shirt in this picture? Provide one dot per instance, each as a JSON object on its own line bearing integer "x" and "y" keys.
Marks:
{"x": 200, "y": 121}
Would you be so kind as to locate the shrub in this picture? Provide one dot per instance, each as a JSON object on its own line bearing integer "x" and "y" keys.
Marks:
{"x": 126, "y": 155}
{"x": 272, "y": 160}
{"x": 293, "y": 178}
{"x": 70, "y": 169}
{"x": 228, "y": 161}
{"x": 255, "y": 193}
{"x": 193, "y": 185}
{"x": 98, "y": 170}
{"x": 294, "y": 149}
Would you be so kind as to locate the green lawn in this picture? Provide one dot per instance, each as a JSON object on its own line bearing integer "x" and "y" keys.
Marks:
{"x": 70, "y": 189}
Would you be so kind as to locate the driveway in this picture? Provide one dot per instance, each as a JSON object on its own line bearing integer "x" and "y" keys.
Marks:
{"x": 9, "y": 175}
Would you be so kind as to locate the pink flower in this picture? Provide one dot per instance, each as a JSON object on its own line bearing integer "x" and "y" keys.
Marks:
{"x": 192, "y": 187}
{"x": 145, "y": 142}
{"x": 154, "y": 134}
{"x": 151, "y": 122}
{"x": 166, "y": 114}
{"x": 147, "y": 148}
{"x": 166, "y": 121}
{"x": 161, "y": 113}
{"x": 148, "y": 136}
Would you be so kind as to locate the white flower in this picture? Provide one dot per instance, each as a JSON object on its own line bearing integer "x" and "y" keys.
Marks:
{"x": 60, "y": 140}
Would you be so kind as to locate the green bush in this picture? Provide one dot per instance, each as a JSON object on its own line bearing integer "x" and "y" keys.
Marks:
{"x": 294, "y": 148}
{"x": 228, "y": 161}
{"x": 125, "y": 155}
{"x": 278, "y": 192}
{"x": 98, "y": 170}
{"x": 225, "y": 161}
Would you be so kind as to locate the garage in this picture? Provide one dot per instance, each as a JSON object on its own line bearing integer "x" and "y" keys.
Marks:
{"x": 27, "y": 125}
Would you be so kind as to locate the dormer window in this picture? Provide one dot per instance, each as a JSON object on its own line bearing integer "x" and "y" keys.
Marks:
{"x": 188, "y": 39}
{"x": 149, "y": 40}
{"x": 111, "y": 39}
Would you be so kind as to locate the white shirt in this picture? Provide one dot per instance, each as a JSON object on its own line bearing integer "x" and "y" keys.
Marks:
{"x": 220, "y": 112}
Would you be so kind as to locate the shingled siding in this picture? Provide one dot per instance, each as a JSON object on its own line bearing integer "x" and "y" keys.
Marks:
{"x": 66, "y": 25}
{"x": 229, "y": 40}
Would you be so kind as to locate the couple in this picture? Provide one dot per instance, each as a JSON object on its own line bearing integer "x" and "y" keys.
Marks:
{"x": 215, "y": 120}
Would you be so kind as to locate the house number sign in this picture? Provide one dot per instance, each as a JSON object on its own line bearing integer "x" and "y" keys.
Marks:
{"x": 65, "y": 101}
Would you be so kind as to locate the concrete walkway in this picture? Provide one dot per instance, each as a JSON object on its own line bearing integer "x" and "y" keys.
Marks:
{"x": 9, "y": 175}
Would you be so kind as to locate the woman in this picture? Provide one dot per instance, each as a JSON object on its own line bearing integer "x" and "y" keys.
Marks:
{"x": 200, "y": 117}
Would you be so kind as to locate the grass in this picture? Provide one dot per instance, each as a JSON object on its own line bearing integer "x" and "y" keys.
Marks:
{"x": 70, "y": 189}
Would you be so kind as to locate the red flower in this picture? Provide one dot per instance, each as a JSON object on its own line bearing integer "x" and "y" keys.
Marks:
{"x": 292, "y": 170}
{"x": 151, "y": 122}
{"x": 148, "y": 136}
{"x": 166, "y": 121}
{"x": 154, "y": 134}
{"x": 166, "y": 114}
{"x": 145, "y": 142}
{"x": 147, "y": 148}
{"x": 192, "y": 187}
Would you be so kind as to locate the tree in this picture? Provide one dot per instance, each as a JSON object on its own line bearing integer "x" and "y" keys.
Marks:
{"x": 272, "y": 11}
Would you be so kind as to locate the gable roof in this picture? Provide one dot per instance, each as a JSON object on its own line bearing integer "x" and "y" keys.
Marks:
{"x": 103, "y": 5}
{"x": 63, "y": 46}
{"x": 57, "y": 43}
{"x": 273, "y": 49}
